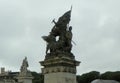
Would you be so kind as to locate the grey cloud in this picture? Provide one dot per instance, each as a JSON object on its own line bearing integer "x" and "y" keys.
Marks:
{"x": 95, "y": 31}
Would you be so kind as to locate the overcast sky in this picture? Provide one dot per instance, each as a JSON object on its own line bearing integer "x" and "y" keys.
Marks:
{"x": 96, "y": 32}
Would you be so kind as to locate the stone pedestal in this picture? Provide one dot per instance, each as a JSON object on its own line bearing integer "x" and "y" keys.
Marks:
{"x": 60, "y": 77}
{"x": 25, "y": 79}
{"x": 59, "y": 68}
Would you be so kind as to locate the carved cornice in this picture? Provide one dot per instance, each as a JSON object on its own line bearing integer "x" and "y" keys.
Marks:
{"x": 60, "y": 61}
{"x": 59, "y": 69}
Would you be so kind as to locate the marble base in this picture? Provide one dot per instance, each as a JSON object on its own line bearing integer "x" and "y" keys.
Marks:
{"x": 60, "y": 68}
{"x": 25, "y": 79}
{"x": 60, "y": 77}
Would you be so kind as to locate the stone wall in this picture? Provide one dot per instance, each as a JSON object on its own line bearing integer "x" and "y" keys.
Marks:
{"x": 60, "y": 77}
{"x": 7, "y": 81}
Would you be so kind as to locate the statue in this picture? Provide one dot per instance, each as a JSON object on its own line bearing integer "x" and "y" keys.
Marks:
{"x": 69, "y": 39}
{"x": 61, "y": 30}
{"x": 61, "y": 24}
{"x": 23, "y": 70}
{"x": 24, "y": 65}
{"x": 51, "y": 41}
{"x": 24, "y": 73}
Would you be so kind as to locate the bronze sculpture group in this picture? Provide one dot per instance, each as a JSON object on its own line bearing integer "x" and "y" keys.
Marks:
{"x": 63, "y": 32}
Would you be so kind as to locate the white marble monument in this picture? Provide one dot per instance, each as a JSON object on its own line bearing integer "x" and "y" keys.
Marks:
{"x": 25, "y": 75}
{"x": 59, "y": 65}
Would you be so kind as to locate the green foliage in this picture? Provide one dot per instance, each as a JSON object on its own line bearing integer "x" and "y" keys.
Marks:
{"x": 88, "y": 77}
{"x": 111, "y": 76}
{"x": 38, "y": 78}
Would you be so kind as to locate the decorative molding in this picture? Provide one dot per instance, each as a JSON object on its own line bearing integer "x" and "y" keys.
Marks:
{"x": 59, "y": 69}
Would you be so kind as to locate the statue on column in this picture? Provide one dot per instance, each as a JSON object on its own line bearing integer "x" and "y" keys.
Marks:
{"x": 23, "y": 70}
{"x": 24, "y": 65}
{"x": 24, "y": 75}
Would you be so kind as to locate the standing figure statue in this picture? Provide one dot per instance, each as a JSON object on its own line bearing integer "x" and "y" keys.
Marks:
{"x": 69, "y": 39}
{"x": 24, "y": 66}
{"x": 24, "y": 72}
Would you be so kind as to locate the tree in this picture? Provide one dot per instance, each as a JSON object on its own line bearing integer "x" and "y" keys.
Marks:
{"x": 111, "y": 76}
{"x": 38, "y": 78}
{"x": 88, "y": 77}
